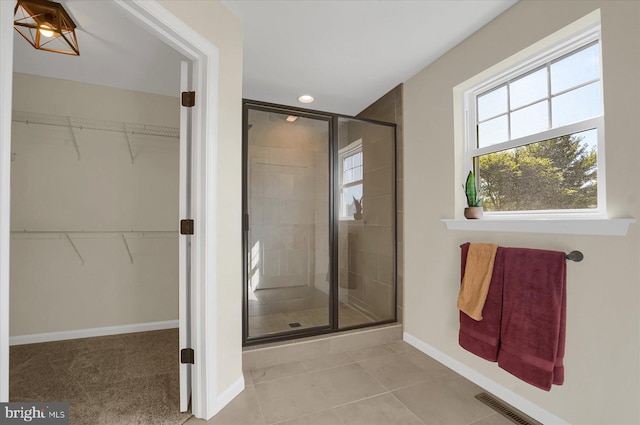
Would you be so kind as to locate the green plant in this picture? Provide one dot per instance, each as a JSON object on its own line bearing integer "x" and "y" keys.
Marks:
{"x": 473, "y": 199}
{"x": 358, "y": 205}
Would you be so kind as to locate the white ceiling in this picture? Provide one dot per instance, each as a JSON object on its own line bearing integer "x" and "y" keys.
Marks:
{"x": 346, "y": 53}
{"x": 114, "y": 52}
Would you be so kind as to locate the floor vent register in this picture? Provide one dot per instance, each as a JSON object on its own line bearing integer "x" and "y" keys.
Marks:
{"x": 505, "y": 410}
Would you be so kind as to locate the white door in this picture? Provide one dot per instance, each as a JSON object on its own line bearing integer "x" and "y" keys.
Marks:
{"x": 185, "y": 240}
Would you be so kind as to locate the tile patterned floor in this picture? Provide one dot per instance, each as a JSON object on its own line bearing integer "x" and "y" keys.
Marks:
{"x": 383, "y": 385}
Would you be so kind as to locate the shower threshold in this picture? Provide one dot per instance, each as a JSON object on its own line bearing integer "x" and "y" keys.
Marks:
{"x": 274, "y": 353}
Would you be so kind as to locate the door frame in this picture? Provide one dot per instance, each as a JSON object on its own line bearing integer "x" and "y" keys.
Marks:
{"x": 184, "y": 249}
{"x": 206, "y": 400}
{"x": 6, "y": 87}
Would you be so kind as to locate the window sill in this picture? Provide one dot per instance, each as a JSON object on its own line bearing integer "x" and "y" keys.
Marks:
{"x": 585, "y": 226}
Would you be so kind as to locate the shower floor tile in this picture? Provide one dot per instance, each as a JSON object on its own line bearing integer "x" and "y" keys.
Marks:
{"x": 274, "y": 310}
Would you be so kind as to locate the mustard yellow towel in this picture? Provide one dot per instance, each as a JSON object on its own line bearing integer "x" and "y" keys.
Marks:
{"x": 477, "y": 276}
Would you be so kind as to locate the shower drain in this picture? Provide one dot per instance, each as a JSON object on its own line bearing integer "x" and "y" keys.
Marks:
{"x": 294, "y": 325}
{"x": 505, "y": 410}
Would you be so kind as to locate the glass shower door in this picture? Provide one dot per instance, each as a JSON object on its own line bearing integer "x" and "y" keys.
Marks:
{"x": 366, "y": 201}
{"x": 288, "y": 226}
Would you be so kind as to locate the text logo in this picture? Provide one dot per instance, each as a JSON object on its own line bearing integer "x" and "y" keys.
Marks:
{"x": 34, "y": 413}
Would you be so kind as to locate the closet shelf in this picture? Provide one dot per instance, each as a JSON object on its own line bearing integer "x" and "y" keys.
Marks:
{"x": 92, "y": 234}
{"x": 95, "y": 124}
{"x": 102, "y": 234}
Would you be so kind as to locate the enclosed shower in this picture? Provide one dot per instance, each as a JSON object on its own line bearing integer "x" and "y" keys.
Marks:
{"x": 319, "y": 222}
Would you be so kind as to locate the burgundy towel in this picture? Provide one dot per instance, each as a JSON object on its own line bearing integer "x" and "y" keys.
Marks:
{"x": 533, "y": 316}
{"x": 482, "y": 338}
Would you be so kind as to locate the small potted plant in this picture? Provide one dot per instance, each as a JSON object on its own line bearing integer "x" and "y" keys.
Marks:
{"x": 474, "y": 201}
{"x": 358, "y": 204}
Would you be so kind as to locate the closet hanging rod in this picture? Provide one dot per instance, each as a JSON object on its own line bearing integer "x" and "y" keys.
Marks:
{"x": 576, "y": 256}
{"x": 95, "y": 124}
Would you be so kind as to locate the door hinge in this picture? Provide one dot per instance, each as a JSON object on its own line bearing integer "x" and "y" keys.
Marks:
{"x": 188, "y": 98}
{"x": 186, "y": 355}
{"x": 186, "y": 227}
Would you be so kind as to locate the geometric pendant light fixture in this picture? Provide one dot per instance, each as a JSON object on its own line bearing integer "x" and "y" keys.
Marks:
{"x": 46, "y": 26}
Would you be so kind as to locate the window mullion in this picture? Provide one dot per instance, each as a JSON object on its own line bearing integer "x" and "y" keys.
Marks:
{"x": 509, "y": 110}
{"x": 351, "y": 184}
{"x": 576, "y": 87}
{"x": 588, "y": 124}
{"x": 549, "y": 110}
{"x": 519, "y": 108}
{"x": 492, "y": 118}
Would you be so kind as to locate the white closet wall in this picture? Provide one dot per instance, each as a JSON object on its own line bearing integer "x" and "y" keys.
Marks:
{"x": 95, "y": 279}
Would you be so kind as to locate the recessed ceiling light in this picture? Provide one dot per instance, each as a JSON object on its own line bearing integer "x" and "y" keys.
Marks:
{"x": 292, "y": 118}
{"x": 305, "y": 98}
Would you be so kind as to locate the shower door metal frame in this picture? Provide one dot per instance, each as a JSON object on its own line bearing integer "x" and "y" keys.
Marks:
{"x": 333, "y": 121}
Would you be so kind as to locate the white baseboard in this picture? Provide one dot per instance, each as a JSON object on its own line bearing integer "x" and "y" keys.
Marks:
{"x": 515, "y": 400}
{"x": 87, "y": 333}
{"x": 227, "y": 395}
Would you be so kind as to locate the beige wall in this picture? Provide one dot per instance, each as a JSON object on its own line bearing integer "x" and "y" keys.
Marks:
{"x": 603, "y": 314}
{"x": 54, "y": 190}
{"x": 218, "y": 25}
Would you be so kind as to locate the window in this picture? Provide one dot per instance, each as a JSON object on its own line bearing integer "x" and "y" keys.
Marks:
{"x": 535, "y": 134}
{"x": 351, "y": 180}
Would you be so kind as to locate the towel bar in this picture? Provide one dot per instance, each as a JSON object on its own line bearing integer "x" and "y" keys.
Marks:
{"x": 574, "y": 256}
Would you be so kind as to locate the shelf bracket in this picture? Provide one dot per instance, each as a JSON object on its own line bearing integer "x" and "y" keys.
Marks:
{"x": 126, "y": 245}
{"x": 74, "y": 248}
{"x": 126, "y": 136}
{"x": 73, "y": 137}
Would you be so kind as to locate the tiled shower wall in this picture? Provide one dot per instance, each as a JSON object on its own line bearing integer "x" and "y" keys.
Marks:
{"x": 389, "y": 109}
{"x": 283, "y": 162}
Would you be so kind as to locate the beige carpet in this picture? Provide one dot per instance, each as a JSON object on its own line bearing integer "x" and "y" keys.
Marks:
{"x": 111, "y": 380}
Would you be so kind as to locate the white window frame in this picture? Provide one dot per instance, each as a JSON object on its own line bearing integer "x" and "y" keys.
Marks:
{"x": 504, "y": 74}
{"x": 350, "y": 150}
